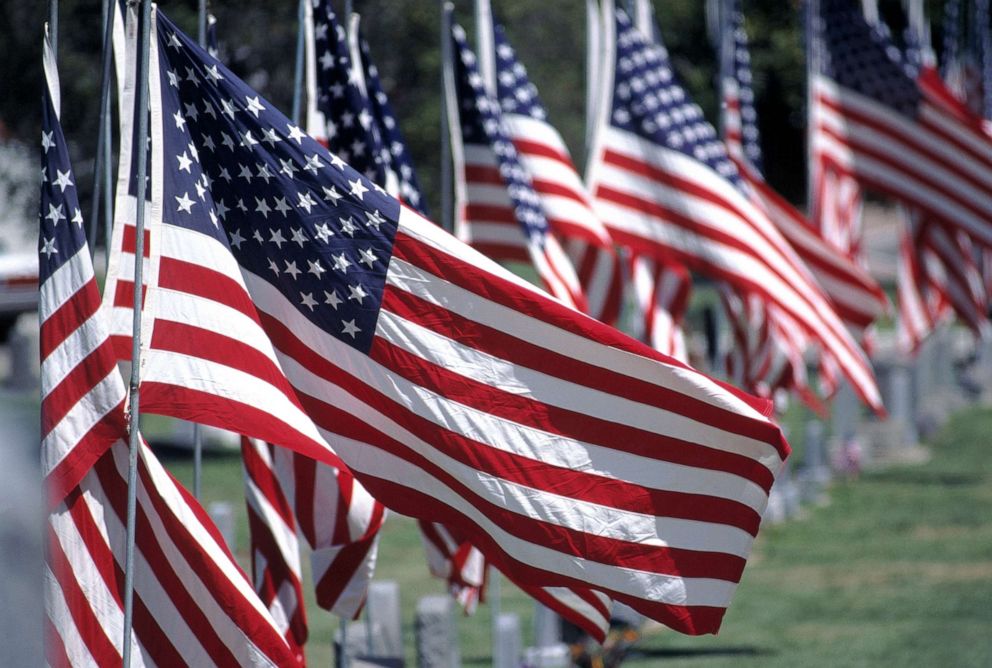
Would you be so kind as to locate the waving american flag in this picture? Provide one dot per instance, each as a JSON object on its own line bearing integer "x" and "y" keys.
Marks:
{"x": 320, "y": 314}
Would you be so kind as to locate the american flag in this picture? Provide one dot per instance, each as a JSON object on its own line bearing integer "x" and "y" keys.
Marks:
{"x": 570, "y": 454}
{"x": 565, "y": 201}
{"x": 338, "y": 112}
{"x": 661, "y": 298}
{"x": 896, "y": 131}
{"x": 665, "y": 186}
{"x": 275, "y": 549}
{"x": 224, "y": 345}
{"x": 398, "y": 161}
{"x": 498, "y": 211}
{"x": 192, "y": 604}
{"x": 455, "y": 560}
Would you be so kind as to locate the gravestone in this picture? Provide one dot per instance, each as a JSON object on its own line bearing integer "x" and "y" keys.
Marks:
{"x": 509, "y": 641}
{"x": 552, "y": 656}
{"x": 383, "y": 609}
{"x": 437, "y": 642}
{"x": 815, "y": 474}
{"x": 547, "y": 626}
{"x": 222, "y": 514}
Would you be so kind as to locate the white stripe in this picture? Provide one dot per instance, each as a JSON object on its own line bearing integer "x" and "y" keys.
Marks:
{"x": 284, "y": 536}
{"x": 80, "y": 419}
{"x": 87, "y": 337}
{"x": 64, "y": 283}
{"x": 62, "y": 621}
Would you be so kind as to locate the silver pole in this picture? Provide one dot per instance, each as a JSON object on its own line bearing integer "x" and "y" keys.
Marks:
{"x": 134, "y": 440}
{"x": 447, "y": 192}
{"x": 593, "y": 60}
{"x": 197, "y": 430}
{"x": 298, "y": 73}
{"x": 53, "y": 27}
{"x": 343, "y": 650}
{"x": 101, "y": 164}
{"x": 495, "y": 609}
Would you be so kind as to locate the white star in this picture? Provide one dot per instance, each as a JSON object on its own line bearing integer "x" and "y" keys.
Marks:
{"x": 368, "y": 257}
{"x": 296, "y": 133}
{"x": 273, "y": 266}
{"x": 292, "y": 270}
{"x": 254, "y": 106}
{"x": 358, "y": 188}
{"x": 241, "y": 206}
{"x": 332, "y": 195}
{"x": 193, "y": 153}
{"x": 337, "y": 161}
{"x": 298, "y": 236}
{"x": 357, "y": 293}
{"x": 237, "y": 239}
{"x": 262, "y": 207}
{"x": 227, "y": 108}
{"x": 62, "y": 180}
{"x": 315, "y": 268}
{"x": 306, "y": 201}
{"x": 332, "y": 299}
{"x": 47, "y": 140}
{"x": 227, "y": 141}
{"x": 214, "y": 74}
{"x": 306, "y": 299}
{"x": 348, "y": 226}
{"x": 350, "y": 328}
{"x": 324, "y": 232}
{"x": 180, "y": 121}
{"x": 191, "y": 76}
{"x": 184, "y": 162}
{"x": 221, "y": 208}
{"x": 173, "y": 78}
{"x": 374, "y": 219}
{"x": 173, "y": 41}
{"x": 313, "y": 163}
{"x": 326, "y": 60}
{"x": 263, "y": 171}
{"x": 247, "y": 140}
{"x": 270, "y": 137}
{"x": 213, "y": 218}
{"x": 277, "y": 237}
{"x": 55, "y": 214}
{"x": 257, "y": 236}
{"x": 77, "y": 217}
{"x": 246, "y": 173}
{"x": 192, "y": 111}
{"x": 288, "y": 168}
{"x": 49, "y": 248}
{"x": 185, "y": 203}
{"x": 341, "y": 263}
{"x": 282, "y": 206}
{"x": 365, "y": 119}
{"x": 200, "y": 192}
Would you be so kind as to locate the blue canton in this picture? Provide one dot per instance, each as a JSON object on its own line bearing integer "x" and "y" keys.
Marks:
{"x": 649, "y": 102}
{"x": 750, "y": 137}
{"x": 395, "y": 152}
{"x": 481, "y": 123}
{"x": 862, "y": 57}
{"x": 351, "y": 132}
{"x": 62, "y": 234}
{"x": 238, "y": 170}
{"x": 516, "y": 93}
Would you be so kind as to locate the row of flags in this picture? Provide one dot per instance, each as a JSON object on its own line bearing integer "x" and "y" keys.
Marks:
{"x": 294, "y": 293}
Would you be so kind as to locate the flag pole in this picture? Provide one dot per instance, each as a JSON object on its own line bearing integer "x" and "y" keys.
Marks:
{"x": 134, "y": 440}
{"x": 53, "y": 27}
{"x": 485, "y": 44}
{"x": 101, "y": 167}
{"x": 201, "y": 38}
{"x": 447, "y": 192}
{"x": 593, "y": 44}
{"x": 298, "y": 72}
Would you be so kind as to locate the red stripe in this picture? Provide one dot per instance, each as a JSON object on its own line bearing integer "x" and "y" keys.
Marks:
{"x": 263, "y": 477}
{"x": 124, "y": 295}
{"x": 492, "y": 213}
{"x": 129, "y": 242}
{"x": 305, "y": 484}
{"x": 591, "y": 627}
{"x": 607, "y": 550}
{"x": 529, "y": 147}
{"x": 55, "y": 652}
{"x": 529, "y": 304}
{"x": 483, "y": 175}
{"x": 339, "y": 574}
{"x": 69, "y": 317}
{"x": 79, "y": 382}
{"x": 546, "y": 417}
{"x": 74, "y": 466}
{"x": 195, "y": 279}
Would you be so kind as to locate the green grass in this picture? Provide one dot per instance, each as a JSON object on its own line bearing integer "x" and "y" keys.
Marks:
{"x": 896, "y": 570}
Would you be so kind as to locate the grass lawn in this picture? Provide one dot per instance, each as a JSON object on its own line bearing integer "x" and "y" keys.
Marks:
{"x": 895, "y": 571}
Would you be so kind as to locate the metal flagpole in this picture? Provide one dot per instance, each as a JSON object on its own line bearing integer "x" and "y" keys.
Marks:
{"x": 53, "y": 27}
{"x": 298, "y": 72}
{"x": 101, "y": 167}
{"x": 593, "y": 63}
{"x": 495, "y": 610}
{"x": 485, "y": 44}
{"x": 447, "y": 187}
{"x": 197, "y": 429}
{"x": 134, "y": 440}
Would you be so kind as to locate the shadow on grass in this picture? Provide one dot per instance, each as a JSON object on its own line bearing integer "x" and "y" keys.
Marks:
{"x": 169, "y": 452}
{"x": 922, "y": 477}
{"x": 698, "y": 652}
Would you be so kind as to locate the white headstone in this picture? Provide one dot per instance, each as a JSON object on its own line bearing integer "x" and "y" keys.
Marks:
{"x": 437, "y": 642}
{"x": 383, "y": 608}
{"x": 222, "y": 513}
{"x": 547, "y": 626}
{"x": 508, "y": 640}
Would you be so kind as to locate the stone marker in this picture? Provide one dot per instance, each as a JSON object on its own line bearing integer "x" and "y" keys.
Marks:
{"x": 815, "y": 474}
{"x": 383, "y": 609}
{"x": 547, "y": 626}
{"x": 552, "y": 656}
{"x": 509, "y": 641}
{"x": 437, "y": 642}
{"x": 222, "y": 513}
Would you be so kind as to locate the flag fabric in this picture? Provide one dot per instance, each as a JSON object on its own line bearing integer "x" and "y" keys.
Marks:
{"x": 275, "y": 549}
{"x": 895, "y": 131}
{"x": 564, "y": 199}
{"x": 192, "y": 604}
{"x": 82, "y": 395}
{"x": 857, "y": 298}
{"x": 665, "y": 186}
{"x": 338, "y": 112}
{"x": 570, "y": 454}
{"x": 498, "y": 211}
{"x": 457, "y": 561}
{"x": 398, "y": 161}
{"x": 661, "y": 298}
